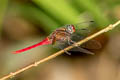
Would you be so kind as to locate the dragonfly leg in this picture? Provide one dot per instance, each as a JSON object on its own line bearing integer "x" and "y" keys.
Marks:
{"x": 81, "y": 49}
{"x": 65, "y": 51}
{"x": 73, "y": 42}
{"x": 60, "y": 46}
{"x": 70, "y": 42}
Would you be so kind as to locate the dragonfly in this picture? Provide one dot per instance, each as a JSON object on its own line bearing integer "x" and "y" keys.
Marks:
{"x": 66, "y": 36}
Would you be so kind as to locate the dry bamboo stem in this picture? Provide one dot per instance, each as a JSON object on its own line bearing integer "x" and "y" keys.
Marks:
{"x": 110, "y": 27}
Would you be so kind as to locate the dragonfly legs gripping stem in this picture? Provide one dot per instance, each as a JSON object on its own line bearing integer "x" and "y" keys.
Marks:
{"x": 70, "y": 42}
{"x": 80, "y": 49}
{"x": 65, "y": 51}
{"x": 60, "y": 47}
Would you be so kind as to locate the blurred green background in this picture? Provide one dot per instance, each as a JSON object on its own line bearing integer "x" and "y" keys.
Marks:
{"x": 26, "y": 22}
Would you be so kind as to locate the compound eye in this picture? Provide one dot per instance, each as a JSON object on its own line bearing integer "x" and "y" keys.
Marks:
{"x": 69, "y": 29}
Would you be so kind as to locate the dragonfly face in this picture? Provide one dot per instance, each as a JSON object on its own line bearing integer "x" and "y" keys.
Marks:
{"x": 70, "y": 28}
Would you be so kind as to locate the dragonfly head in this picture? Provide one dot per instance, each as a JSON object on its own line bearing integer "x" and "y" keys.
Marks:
{"x": 70, "y": 28}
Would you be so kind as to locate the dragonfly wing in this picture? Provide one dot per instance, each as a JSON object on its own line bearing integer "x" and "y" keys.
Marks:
{"x": 92, "y": 44}
{"x": 82, "y": 50}
{"x": 63, "y": 45}
{"x": 79, "y": 35}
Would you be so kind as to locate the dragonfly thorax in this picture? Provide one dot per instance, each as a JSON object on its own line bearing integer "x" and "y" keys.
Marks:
{"x": 70, "y": 29}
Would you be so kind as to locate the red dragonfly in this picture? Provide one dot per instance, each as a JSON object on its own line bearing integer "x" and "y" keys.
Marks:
{"x": 65, "y": 36}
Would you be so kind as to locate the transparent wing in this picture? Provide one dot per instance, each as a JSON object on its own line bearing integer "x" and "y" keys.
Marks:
{"x": 61, "y": 44}
{"x": 92, "y": 44}
{"x": 79, "y": 49}
{"x": 83, "y": 29}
